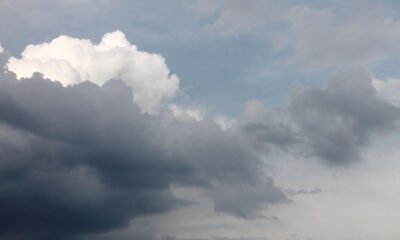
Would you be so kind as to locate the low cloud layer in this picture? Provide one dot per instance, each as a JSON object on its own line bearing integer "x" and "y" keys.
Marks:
{"x": 84, "y": 159}
{"x": 71, "y": 61}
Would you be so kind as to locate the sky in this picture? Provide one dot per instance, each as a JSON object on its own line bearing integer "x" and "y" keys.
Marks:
{"x": 199, "y": 119}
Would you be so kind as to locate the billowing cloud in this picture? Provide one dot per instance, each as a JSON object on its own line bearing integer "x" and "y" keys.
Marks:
{"x": 1, "y": 48}
{"x": 340, "y": 119}
{"x": 83, "y": 159}
{"x": 71, "y": 60}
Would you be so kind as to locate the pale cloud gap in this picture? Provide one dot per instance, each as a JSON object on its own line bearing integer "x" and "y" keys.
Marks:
{"x": 72, "y": 61}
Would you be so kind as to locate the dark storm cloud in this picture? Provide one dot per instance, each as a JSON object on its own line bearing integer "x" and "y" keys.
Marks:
{"x": 72, "y": 167}
{"x": 340, "y": 119}
{"x": 83, "y": 159}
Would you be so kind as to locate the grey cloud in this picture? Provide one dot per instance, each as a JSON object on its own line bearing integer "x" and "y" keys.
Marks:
{"x": 325, "y": 38}
{"x": 243, "y": 194}
{"x": 316, "y": 37}
{"x": 83, "y": 159}
{"x": 340, "y": 119}
{"x": 281, "y": 135}
{"x": 268, "y": 127}
{"x": 237, "y": 16}
{"x": 332, "y": 123}
{"x": 69, "y": 175}
{"x": 244, "y": 201}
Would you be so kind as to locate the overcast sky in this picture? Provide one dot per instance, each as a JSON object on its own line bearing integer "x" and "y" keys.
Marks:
{"x": 199, "y": 119}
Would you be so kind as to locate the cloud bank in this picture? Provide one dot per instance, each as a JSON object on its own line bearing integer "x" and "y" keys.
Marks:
{"x": 83, "y": 159}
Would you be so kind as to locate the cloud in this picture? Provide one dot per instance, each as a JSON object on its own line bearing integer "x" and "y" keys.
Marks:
{"x": 325, "y": 38}
{"x": 186, "y": 113}
{"x": 388, "y": 90}
{"x": 224, "y": 122}
{"x": 66, "y": 158}
{"x": 267, "y": 127}
{"x": 72, "y": 60}
{"x": 294, "y": 192}
{"x": 1, "y": 48}
{"x": 313, "y": 37}
{"x": 332, "y": 123}
{"x": 341, "y": 118}
{"x": 244, "y": 201}
{"x": 83, "y": 159}
{"x": 236, "y": 16}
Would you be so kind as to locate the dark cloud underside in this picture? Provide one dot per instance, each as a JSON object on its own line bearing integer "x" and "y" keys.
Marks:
{"x": 83, "y": 159}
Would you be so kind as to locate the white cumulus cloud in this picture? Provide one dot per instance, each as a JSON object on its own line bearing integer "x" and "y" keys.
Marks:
{"x": 224, "y": 122}
{"x": 73, "y": 60}
{"x": 187, "y": 113}
{"x": 388, "y": 90}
